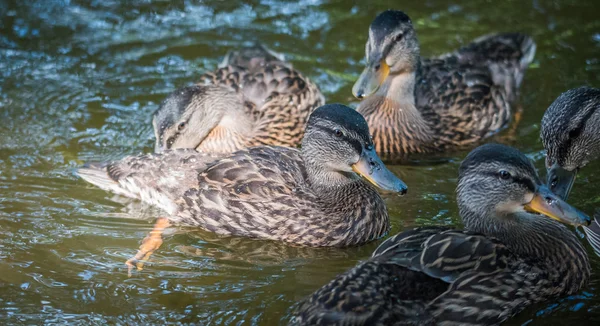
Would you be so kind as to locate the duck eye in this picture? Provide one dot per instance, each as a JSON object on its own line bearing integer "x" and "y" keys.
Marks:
{"x": 398, "y": 37}
{"x": 574, "y": 133}
{"x": 338, "y": 133}
{"x": 181, "y": 126}
{"x": 504, "y": 175}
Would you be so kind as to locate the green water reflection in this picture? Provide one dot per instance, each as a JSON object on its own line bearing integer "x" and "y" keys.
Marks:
{"x": 79, "y": 80}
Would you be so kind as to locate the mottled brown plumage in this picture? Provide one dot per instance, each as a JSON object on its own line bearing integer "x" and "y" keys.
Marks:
{"x": 506, "y": 258}
{"x": 312, "y": 197}
{"x": 416, "y": 105}
{"x": 254, "y": 98}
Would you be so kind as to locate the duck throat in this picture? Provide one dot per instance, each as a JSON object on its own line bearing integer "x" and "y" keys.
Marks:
{"x": 230, "y": 135}
{"x": 397, "y": 126}
{"x": 353, "y": 211}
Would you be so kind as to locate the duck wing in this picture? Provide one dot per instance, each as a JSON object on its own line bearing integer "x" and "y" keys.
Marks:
{"x": 506, "y": 54}
{"x": 260, "y": 192}
{"x": 461, "y": 102}
{"x": 443, "y": 253}
{"x": 466, "y": 94}
{"x": 153, "y": 178}
{"x": 261, "y": 75}
{"x": 398, "y": 284}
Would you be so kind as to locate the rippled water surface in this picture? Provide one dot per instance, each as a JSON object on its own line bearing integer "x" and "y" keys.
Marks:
{"x": 80, "y": 79}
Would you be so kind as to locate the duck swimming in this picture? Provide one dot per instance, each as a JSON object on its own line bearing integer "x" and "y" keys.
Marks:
{"x": 319, "y": 195}
{"x": 513, "y": 252}
{"x": 254, "y": 98}
{"x": 415, "y": 105}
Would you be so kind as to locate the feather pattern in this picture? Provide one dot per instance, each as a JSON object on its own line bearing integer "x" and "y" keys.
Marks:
{"x": 278, "y": 97}
{"x": 442, "y": 103}
{"x": 309, "y": 197}
{"x": 441, "y": 276}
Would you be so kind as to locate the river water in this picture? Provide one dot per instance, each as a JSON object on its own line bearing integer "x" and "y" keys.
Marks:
{"x": 79, "y": 81}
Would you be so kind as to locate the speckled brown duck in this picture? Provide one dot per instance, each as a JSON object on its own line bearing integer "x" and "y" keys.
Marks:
{"x": 314, "y": 196}
{"x": 513, "y": 252}
{"x": 254, "y": 98}
{"x": 415, "y": 105}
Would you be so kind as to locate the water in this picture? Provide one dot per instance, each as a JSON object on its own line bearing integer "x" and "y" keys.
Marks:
{"x": 80, "y": 79}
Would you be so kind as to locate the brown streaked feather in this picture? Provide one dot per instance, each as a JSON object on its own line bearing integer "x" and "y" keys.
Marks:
{"x": 460, "y": 98}
{"x": 439, "y": 276}
{"x": 278, "y": 97}
{"x": 149, "y": 177}
{"x": 260, "y": 192}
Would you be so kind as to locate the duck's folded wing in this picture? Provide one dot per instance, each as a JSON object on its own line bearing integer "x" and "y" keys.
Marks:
{"x": 372, "y": 293}
{"x": 444, "y": 254}
{"x": 258, "y": 192}
{"x": 483, "y": 298}
{"x": 461, "y": 101}
{"x": 153, "y": 178}
{"x": 506, "y": 55}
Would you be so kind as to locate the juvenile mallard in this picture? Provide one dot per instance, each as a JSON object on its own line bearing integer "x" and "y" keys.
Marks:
{"x": 253, "y": 99}
{"x": 570, "y": 136}
{"x": 415, "y": 105}
{"x": 314, "y": 196}
{"x": 512, "y": 253}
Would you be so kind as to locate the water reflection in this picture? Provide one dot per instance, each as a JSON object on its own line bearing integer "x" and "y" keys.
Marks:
{"x": 79, "y": 81}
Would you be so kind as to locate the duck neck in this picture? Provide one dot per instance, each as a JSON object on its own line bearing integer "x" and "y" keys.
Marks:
{"x": 537, "y": 240}
{"x": 394, "y": 120}
{"x": 352, "y": 209}
{"x": 232, "y": 133}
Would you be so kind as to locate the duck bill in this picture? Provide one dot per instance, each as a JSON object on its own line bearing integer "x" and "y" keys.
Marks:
{"x": 545, "y": 202}
{"x": 373, "y": 170}
{"x": 370, "y": 79}
{"x": 561, "y": 180}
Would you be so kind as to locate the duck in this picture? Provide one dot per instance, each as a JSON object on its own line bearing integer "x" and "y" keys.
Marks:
{"x": 422, "y": 106}
{"x": 254, "y": 98}
{"x": 570, "y": 137}
{"x": 514, "y": 250}
{"x": 321, "y": 195}
{"x": 569, "y": 133}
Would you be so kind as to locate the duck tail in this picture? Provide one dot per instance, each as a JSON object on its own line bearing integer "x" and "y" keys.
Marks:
{"x": 506, "y": 54}
{"x": 97, "y": 173}
{"x": 252, "y": 57}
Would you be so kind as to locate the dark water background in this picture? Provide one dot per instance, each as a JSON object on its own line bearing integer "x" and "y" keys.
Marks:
{"x": 80, "y": 79}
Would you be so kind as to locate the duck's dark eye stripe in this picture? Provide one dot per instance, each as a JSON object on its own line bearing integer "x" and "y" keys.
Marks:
{"x": 528, "y": 183}
{"x": 354, "y": 142}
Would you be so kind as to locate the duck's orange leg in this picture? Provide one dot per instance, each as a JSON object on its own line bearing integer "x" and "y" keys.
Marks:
{"x": 152, "y": 242}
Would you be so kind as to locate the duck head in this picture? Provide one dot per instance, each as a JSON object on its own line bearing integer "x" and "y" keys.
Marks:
{"x": 392, "y": 49}
{"x": 338, "y": 149}
{"x": 499, "y": 192}
{"x": 571, "y": 136}
{"x": 188, "y": 115}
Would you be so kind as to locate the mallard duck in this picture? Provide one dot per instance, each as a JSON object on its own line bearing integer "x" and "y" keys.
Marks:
{"x": 571, "y": 141}
{"x": 415, "y": 105}
{"x": 253, "y": 99}
{"x": 314, "y": 196}
{"x": 570, "y": 136}
{"x": 513, "y": 252}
